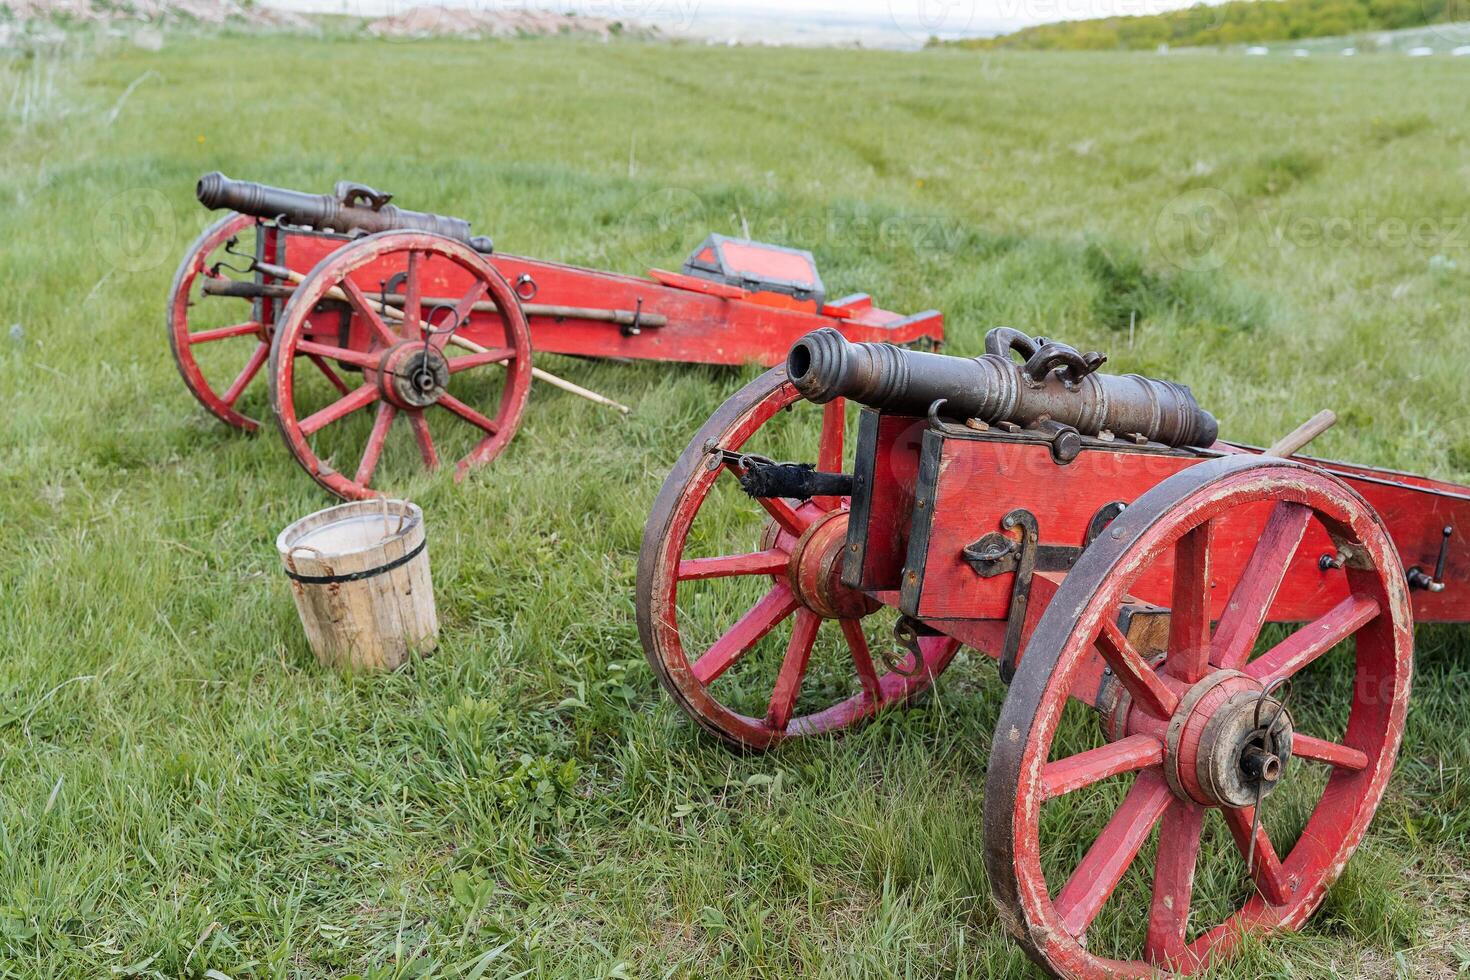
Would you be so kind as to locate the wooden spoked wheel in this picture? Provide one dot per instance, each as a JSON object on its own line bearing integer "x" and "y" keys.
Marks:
{"x": 237, "y": 343}
{"x": 1189, "y": 732}
{"x": 405, "y": 364}
{"x": 720, "y": 575}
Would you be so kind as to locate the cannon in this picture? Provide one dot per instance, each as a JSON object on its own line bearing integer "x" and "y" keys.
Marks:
{"x": 1156, "y": 790}
{"x": 1057, "y": 390}
{"x": 364, "y": 316}
{"x": 351, "y": 208}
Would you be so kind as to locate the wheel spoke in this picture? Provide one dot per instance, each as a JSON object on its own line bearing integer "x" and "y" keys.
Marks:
{"x": 466, "y": 304}
{"x": 1082, "y": 897}
{"x": 332, "y": 376}
{"x": 221, "y": 333}
{"x": 1168, "y": 916}
{"x": 834, "y": 419}
{"x": 1085, "y": 768}
{"x": 362, "y": 397}
{"x": 462, "y": 311}
{"x": 1321, "y": 750}
{"x": 495, "y": 355}
{"x": 793, "y": 669}
{"x": 1262, "y": 863}
{"x": 1148, "y": 690}
{"x": 243, "y": 379}
{"x": 374, "y": 449}
{"x": 357, "y": 358}
{"x": 759, "y": 620}
{"x": 771, "y": 562}
{"x": 452, "y": 404}
{"x": 1313, "y": 640}
{"x": 1189, "y": 614}
{"x": 420, "y": 427}
{"x": 862, "y": 658}
{"x": 364, "y": 308}
{"x": 413, "y": 306}
{"x": 783, "y": 514}
{"x": 1249, "y": 604}
{"x": 829, "y": 451}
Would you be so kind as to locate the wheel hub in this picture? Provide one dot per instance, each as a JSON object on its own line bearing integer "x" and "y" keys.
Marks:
{"x": 816, "y": 571}
{"x": 413, "y": 375}
{"x": 1229, "y": 742}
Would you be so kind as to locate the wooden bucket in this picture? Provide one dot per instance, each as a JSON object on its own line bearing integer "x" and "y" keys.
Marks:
{"x": 360, "y": 575}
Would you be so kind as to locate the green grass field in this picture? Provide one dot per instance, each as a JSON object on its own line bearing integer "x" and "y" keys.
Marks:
{"x": 183, "y": 792}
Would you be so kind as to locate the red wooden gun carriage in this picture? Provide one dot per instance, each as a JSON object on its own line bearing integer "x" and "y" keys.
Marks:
{"x": 1149, "y": 592}
{"x": 355, "y": 307}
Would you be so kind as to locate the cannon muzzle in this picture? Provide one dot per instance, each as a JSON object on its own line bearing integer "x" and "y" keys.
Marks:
{"x": 1056, "y": 388}
{"x": 351, "y": 208}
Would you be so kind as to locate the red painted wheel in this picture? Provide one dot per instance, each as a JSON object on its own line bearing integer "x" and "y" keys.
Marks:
{"x": 719, "y": 574}
{"x": 404, "y": 362}
{"x": 1188, "y": 732}
{"x": 228, "y": 329}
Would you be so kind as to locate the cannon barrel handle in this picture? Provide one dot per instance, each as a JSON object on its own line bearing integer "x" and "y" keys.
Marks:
{"x": 993, "y": 388}
{"x": 339, "y": 212}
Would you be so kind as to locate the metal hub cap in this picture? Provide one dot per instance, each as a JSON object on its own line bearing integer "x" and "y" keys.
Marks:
{"x": 1228, "y": 744}
{"x": 413, "y": 375}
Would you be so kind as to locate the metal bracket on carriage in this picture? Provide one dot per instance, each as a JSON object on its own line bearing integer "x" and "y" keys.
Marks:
{"x": 907, "y": 632}
{"x": 1422, "y": 580}
{"x": 1000, "y": 553}
{"x": 1065, "y": 441}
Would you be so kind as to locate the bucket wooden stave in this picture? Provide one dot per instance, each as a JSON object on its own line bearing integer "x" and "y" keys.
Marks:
{"x": 359, "y": 573}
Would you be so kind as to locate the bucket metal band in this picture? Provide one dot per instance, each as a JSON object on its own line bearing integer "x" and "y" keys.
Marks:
{"x": 357, "y": 576}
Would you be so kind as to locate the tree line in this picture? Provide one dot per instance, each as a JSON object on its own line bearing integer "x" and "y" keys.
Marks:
{"x": 1236, "y": 22}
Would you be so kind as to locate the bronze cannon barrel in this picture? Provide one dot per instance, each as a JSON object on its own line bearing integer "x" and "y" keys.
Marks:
{"x": 339, "y": 212}
{"x": 1056, "y": 386}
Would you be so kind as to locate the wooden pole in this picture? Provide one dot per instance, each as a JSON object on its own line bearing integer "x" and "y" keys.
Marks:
{"x": 550, "y": 379}
{"x": 1296, "y": 440}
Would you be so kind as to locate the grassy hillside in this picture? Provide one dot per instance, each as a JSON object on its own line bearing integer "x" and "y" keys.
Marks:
{"x": 184, "y": 793}
{"x": 1236, "y": 22}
